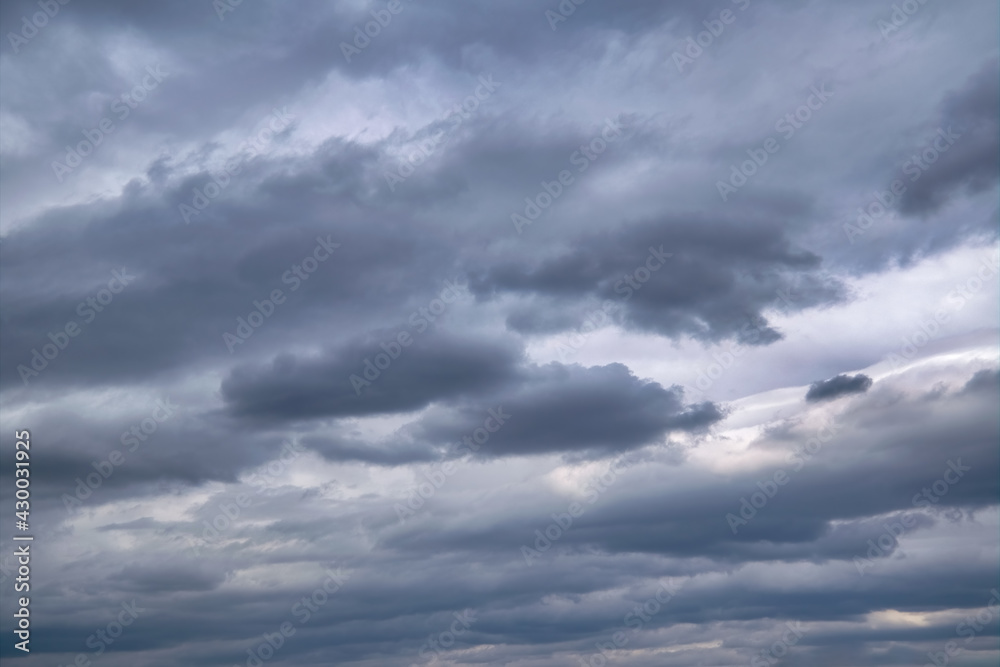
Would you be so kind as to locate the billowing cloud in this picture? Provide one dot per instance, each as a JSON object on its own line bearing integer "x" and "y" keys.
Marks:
{"x": 838, "y": 386}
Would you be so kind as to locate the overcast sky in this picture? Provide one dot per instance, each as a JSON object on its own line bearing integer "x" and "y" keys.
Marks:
{"x": 521, "y": 332}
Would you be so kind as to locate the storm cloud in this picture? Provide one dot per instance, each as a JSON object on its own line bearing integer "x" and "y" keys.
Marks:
{"x": 500, "y": 333}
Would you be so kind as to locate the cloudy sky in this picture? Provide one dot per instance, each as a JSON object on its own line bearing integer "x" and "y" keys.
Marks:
{"x": 412, "y": 332}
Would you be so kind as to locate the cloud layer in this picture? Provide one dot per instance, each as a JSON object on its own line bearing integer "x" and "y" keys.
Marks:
{"x": 372, "y": 333}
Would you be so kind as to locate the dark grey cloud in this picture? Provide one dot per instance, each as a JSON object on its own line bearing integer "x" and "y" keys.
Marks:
{"x": 639, "y": 516}
{"x": 945, "y": 157}
{"x": 254, "y": 253}
{"x": 839, "y": 385}
{"x": 558, "y": 407}
{"x": 971, "y": 122}
{"x": 569, "y": 408}
{"x": 984, "y": 380}
{"x": 708, "y": 277}
{"x": 371, "y": 378}
{"x": 832, "y": 505}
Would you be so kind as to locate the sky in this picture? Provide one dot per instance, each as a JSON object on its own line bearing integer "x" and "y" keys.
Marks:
{"x": 414, "y": 332}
